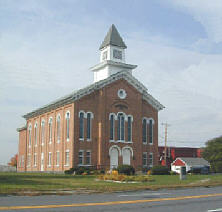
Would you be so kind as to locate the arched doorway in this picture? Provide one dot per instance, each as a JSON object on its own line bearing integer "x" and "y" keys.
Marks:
{"x": 114, "y": 157}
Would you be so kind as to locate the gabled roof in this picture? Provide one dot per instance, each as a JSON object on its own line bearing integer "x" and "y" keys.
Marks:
{"x": 113, "y": 38}
{"x": 96, "y": 86}
{"x": 194, "y": 161}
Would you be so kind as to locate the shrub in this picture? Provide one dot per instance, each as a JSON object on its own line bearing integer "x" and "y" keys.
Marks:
{"x": 79, "y": 170}
{"x": 69, "y": 171}
{"x": 126, "y": 169}
{"x": 159, "y": 170}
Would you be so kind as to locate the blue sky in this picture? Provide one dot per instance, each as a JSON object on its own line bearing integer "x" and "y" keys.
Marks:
{"x": 48, "y": 46}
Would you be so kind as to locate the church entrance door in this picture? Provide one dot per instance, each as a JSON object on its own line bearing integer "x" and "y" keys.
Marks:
{"x": 114, "y": 154}
{"x": 42, "y": 161}
{"x": 126, "y": 156}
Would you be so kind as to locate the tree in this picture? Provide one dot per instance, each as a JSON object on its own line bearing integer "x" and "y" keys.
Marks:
{"x": 13, "y": 161}
{"x": 213, "y": 154}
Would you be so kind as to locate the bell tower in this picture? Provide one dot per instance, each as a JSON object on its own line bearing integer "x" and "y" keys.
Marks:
{"x": 112, "y": 56}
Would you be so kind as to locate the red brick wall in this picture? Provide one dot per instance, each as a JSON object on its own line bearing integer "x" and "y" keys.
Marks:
{"x": 21, "y": 166}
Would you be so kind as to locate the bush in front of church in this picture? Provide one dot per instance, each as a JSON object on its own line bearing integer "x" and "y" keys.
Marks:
{"x": 160, "y": 170}
{"x": 126, "y": 169}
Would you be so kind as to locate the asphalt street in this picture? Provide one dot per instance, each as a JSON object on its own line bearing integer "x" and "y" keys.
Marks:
{"x": 179, "y": 200}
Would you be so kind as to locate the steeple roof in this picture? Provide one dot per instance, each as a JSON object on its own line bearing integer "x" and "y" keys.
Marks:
{"x": 113, "y": 38}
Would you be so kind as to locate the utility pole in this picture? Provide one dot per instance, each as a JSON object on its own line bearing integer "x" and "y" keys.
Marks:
{"x": 166, "y": 125}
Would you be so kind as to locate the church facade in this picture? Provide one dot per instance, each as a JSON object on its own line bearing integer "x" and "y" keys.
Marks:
{"x": 110, "y": 122}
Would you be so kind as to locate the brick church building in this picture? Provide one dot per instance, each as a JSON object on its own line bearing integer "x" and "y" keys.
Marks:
{"x": 110, "y": 122}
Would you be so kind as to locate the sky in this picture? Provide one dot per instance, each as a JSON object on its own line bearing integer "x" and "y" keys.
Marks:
{"x": 48, "y": 46}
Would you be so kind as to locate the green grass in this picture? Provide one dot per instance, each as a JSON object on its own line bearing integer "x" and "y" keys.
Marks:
{"x": 19, "y": 183}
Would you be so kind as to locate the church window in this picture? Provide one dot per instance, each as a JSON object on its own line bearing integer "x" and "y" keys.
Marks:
{"x": 81, "y": 125}
{"x": 67, "y": 158}
{"x": 57, "y": 158}
{"x": 50, "y": 159}
{"x": 58, "y": 123}
{"x": 35, "y": 133}
{"x": 29, "y": 160}
{"x": 89, "y": 123}
{"x": 129, "y": 128}
{"x": 121, "y": 127}
{"x": 30, "y": 135}
{"x": 43, "y": 132}
{"x": 112, "y": 126}
{"x": 151, "y": 131}
{"x": 117, "y": 54}
{"x": 144, "y": 158}
{"x": 81, "y": 152}
{"x": 50, "y": 130}
{"x": 67, "y": 125}
{"x": 88, "y": 157}
{"x": 35, "y": 159}
{"x": 151, "y": 159}
{"x": 144, "y": 131}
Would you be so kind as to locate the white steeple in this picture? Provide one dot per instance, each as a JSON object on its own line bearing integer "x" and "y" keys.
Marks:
{"x": 112, "y": 56}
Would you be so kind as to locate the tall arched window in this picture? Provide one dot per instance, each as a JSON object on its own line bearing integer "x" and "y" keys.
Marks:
{"x": 151, "y": 131}
{"x": 81, "y": 125}
{"x": 58, "y": 123}
{"x": 89, "y": 125}
{"x": 121, "y": 127}
{"x": 30, "y": 135}
{"x": 144, "y": 131}
{"x": 36, "y": 133}
{"x": 129, "y": 128}
{"x": 43, "y": 132}
{"x": 50, "y": 130}
{"x": 67, "y": 125}
{"x": 112, "y": 127}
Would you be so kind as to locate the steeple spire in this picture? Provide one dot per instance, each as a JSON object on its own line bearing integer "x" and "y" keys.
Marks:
{"x": 113, "y": 38}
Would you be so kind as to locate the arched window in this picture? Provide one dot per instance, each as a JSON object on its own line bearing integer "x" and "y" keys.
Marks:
{"x": 50, "y": 130}
{"x": 144, "y": 131}
{"x": 43, "y": 132}
{"x": 58, "y": 123}
{"x": 30, "y": 135}
{"x": 89, "y": 125}
{"x": 36, "y": 133}
{"x": 81, "y": 125}
{"x": 67, "y": 125}
{"x": 129, "y": 128}
{"x": 121, "y": 127}
{"x": 151, "y": 122}
{"x": 112, "y": 127}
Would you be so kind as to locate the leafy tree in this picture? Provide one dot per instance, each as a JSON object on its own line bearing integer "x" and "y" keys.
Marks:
{"x": 13, "y": 161}
{"x": 213, "y": 154}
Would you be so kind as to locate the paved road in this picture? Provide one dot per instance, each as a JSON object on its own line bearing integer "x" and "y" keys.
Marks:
{"x": 179, "y": 200}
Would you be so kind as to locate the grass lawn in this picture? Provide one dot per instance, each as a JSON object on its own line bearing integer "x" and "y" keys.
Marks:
{"x": 20, "y": 183}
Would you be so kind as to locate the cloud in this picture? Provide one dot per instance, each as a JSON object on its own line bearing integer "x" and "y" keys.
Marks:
{"x": 207, "y": 12}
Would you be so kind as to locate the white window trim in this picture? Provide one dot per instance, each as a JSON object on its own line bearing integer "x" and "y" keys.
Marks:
{"x": 82, "y": 158}
{"x": 66, "y": 160}
{"x": 58, "y": 117}
{"x": 84, "y": 116}
{"x": 145, "y": 153}
{"x": 68, "y": 112}
{"x": 91, "y": 117}
{"x": 151, "y": 119}
{"x": 36, "y": 134}
{"x": 131, "y": 136}
{"x": 35, "y": 160}
{"x": 29, "y": 160}
{"x": 151, "y": 165}
{"x": 114, "y": 118}
{"x": 144, "y": 118}
{"x": 50, "y": 153}
{"x": 50, "y": 130}
{"x": 125, "y": 119}
{"x": 30, "y": 136}
{"x": 57, "y": 164}
{"x": 90, "y": 157}
{"x": 43, "y": 127}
